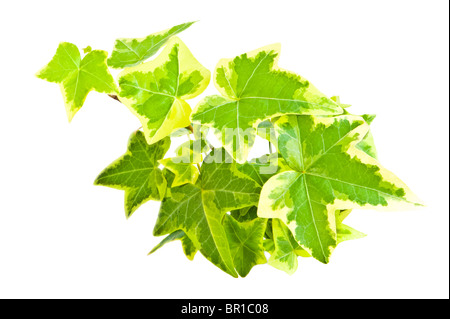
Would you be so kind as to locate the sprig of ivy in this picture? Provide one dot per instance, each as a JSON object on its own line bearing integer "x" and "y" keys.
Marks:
{"x": 289, "y": 203}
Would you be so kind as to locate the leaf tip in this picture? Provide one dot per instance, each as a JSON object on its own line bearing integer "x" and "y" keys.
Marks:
{"x": 128, "y": 213}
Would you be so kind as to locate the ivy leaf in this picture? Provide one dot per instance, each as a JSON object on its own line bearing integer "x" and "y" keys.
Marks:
{"x": 246, "y": 243}
{"x": 178, "y": 234}
{"x": 268, "y": 245}
{"x": 188, "y": 246}
{"x": 183, "y": 165}
{"x": 137, "y": 172}
{"x": 367, "y": 145}
{"x": 285, "y": 250}
{"x": 192, "y": 151}
{"x": 132, "y": 51}
{"x": 184, "y": 172}
{"x": 328, "y": 173}
{"x": 262, "y": 168}
{"x": 245, "y": 214}
{"x": 76, "y": 76}
{"x": 199, "y": 209}
{"x": 266, "y": 131}
{"x": 284, "y": 256}
{"x": 254, "y": 89}
{"x": 156, "y": 91}
{"x": 87, "y": 49}
{"x": 337, "y": 99}
{"x": 343, "y": 231}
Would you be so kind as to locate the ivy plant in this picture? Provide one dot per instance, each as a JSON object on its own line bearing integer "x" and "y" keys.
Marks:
{"x": 321, "y": 162}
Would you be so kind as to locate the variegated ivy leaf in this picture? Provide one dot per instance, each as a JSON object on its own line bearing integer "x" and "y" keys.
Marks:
{"x": 246, "y": 243}
{"x": 87, "y": 49}
{"x": 156, "y": 91}
{"x": 343, "y": 231}
{"x": 130, "y": 52}
{"x": 266, "y": 131}
{"x": 245, "y": 214}
{"x": 178, "y": 234}
{"x": 328, "y": 173}
{"x": 184, "y": 165}
{"x": 268, "y": 245}
{"x": 77, "y": 76}
{"x": 184, "y": 172}
{"x": 285, "y": 249}
{"x": 262, "y": 168}
{"x": 169, "y": 176}
{"x": 367, "y": 144}
{"x": 199, "y": 209}
{"x": 137, "y": 172}
{"x": 254, "y": 89}
{"x": 188, "y": 246}
{"x": 337, "y": 99}
{"x": 192, "y": 151}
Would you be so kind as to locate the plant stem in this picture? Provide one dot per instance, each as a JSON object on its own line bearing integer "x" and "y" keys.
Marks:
{"x": 114, "y": 97}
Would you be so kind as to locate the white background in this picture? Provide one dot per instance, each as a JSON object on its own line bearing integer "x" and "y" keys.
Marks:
{"x": 60, "y": 236}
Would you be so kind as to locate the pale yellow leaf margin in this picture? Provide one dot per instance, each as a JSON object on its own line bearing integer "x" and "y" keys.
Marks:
{"x": 178, "y": 116}
{"x": 408, "y": 201}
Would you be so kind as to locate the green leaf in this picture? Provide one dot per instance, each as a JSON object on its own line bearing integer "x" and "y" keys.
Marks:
{"x": 192, "y": 151}
{"x": 188, "y": 246}
{"x": 137, "y": 172}
{"x": 262, "y": 168}
{"x": 245, "y": 214}
{"x": 345, "y": 232}
{"x": 328, "y": 173}
{"x": 76, "y": 76}
{"x": 284, "y": 249}
{"x": 284, "y": 256}
{"x": 337, "y": 99}
{"x": 178, "y": 234}
{"x": 254, "y": 89}
{"x": 87, "y": 49}
{"x": 266, "y": 131}
{"x": 156, "y": 91}
{"x": 368, "y": 118}
{"x": 188, "y": 154}
{"x": 199, "y": 209}
{"x": 132, "y": 51}
{"x": 246, "y": 243}
{"x": 367, "y": 144}
{"x": 269, "y": 245}
{"x": 184, "y": 172}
